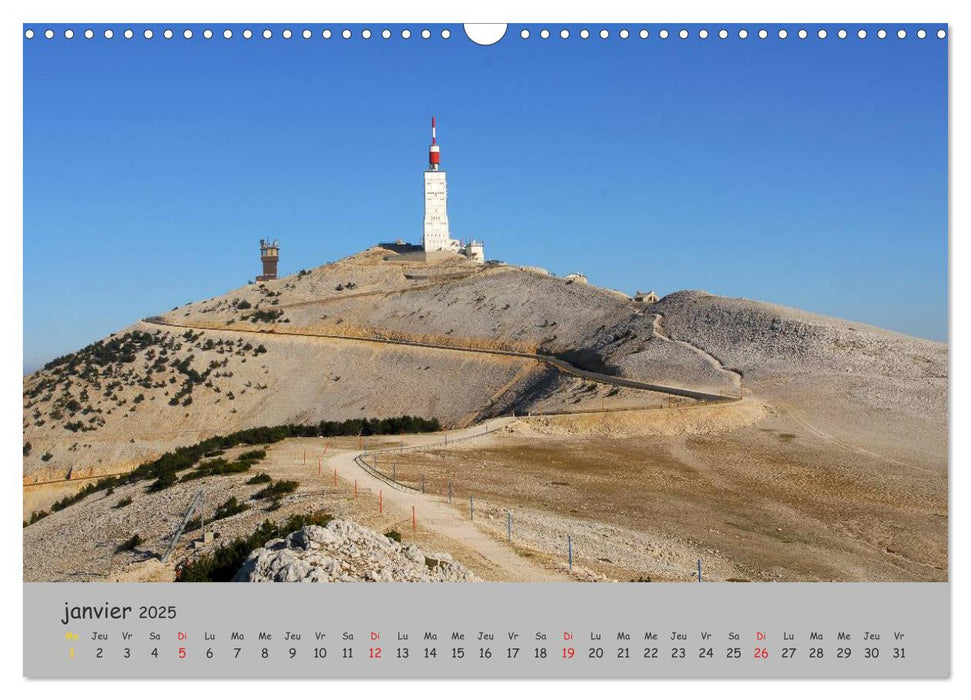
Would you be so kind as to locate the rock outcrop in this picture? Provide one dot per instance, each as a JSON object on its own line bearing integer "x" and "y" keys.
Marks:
{"x": 347, "y": 552}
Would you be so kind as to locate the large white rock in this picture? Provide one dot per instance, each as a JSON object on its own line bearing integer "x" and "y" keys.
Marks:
{"x": 345, "y": 551}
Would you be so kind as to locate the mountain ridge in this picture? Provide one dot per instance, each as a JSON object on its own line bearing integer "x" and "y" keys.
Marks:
{"x": 255, "y": 356}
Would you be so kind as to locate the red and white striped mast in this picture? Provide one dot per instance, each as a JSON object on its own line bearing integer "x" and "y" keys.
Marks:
{"x": 434, "y": 155}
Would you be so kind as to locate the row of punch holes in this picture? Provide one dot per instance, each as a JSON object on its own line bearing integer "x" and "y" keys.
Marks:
{"x": 524, "y": 33}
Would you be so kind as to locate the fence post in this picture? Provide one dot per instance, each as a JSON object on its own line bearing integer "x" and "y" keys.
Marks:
{"x": 380, "y": 501}
{"x": 509, "y": 525}
{"x": 569, "y": 550}
{"x": 471, "y": 507}
{"x": 355, "y": 488}
{"x": 450, "y": 491}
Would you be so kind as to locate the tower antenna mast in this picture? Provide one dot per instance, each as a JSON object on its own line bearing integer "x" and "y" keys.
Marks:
{"x": 434, "y": 153}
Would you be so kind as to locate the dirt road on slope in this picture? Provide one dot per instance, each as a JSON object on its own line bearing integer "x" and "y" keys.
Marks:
{"x": 435, "y": 514}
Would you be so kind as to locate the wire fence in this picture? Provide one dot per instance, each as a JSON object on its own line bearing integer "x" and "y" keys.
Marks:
{"x": 431, "y": 445}
{"x": 584, "y": 549}
{"x": 373, "y": 470}
{"x": 379, "y": 475}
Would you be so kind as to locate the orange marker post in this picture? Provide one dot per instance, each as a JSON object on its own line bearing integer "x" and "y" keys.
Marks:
{"x": 380, "y": 501}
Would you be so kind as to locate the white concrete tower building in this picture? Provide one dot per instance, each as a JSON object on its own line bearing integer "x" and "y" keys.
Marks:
{"x": 436, "y": 235}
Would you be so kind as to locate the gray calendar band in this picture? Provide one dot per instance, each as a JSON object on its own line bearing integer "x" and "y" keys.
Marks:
{"x": 911, "y": 618}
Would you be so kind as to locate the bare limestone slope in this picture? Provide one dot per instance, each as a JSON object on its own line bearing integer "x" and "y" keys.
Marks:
{"x": 224, "y": 364}
{"x": 125, "y": 412}
{"x": 832, "y": 467}
{"x": 256, "y": 356}
{"x": 873, "y": 389}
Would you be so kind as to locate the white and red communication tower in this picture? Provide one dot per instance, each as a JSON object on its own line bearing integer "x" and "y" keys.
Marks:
{"x": 436, "y": 235}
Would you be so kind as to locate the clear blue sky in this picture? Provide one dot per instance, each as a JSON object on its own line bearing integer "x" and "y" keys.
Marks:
{"x": 803, "y": 172}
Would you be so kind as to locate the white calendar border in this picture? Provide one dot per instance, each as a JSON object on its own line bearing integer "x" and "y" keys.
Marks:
{"x": 95, "y": 11}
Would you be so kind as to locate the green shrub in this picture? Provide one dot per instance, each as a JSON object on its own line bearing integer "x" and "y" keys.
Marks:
{"x": 219, "y": 466}
{"x": 393, "y": 535}
{"x": 164, "y": 469}
{"x": 35, "y": 516}
{"x": 164, "y": 480}
{"x": 261, "y": 478}
{"x": 120, "y": 349}
{"x": 264, "y": 316}
{"x": 92, "y": 487}
{"x": 229, "y": 508}
{"x": 126, "y": 501}
{"x": 276, "y": 490}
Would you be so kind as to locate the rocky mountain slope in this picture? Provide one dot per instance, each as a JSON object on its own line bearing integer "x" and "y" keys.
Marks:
{"x": 345, "y": 551}
{"x": 297, "y": 350}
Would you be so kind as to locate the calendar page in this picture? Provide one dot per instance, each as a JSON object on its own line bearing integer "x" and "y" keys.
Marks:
{"x": 485, "y": 351}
